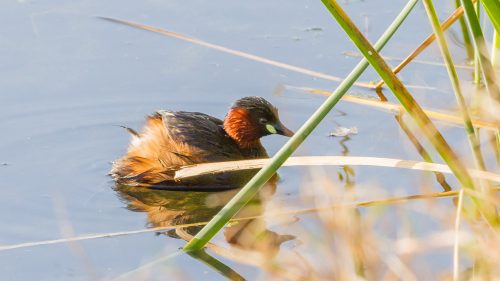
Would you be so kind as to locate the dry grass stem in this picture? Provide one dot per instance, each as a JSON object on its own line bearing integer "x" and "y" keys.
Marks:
{"x": 238, "y": 53}
{"x": 379, "y": 202}
{"x": 220, "y": 167}
{"x": 456, "y": 246}
{"x": 397, "y": 108}
{"x": 424, "y": 62}
{"x": 445, "y": 25}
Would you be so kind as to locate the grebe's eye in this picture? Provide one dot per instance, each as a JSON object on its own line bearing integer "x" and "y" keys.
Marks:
{"x": 263, "y": 121}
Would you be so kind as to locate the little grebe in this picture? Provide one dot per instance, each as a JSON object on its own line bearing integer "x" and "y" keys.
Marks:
{"x": 171, "y": 139}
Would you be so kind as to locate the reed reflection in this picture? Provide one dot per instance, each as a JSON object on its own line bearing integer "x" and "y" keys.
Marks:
{"x": 166, "y": 208}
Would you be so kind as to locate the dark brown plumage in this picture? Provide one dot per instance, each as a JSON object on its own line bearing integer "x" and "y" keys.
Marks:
{"x": 171, "y": 139}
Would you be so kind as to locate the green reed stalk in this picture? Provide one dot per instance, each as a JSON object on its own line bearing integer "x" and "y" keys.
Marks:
{"x": 252, "y": 187}
{"x": 496, "y": 146}
{"x": 494, "y": 49}
{"x": 465, "y": 34}
{"x": 480, "y": 48}
{"x": 217, "y": 265}
{"x": 477, "y": 68}
{"x": 492, "y": 8}
{"x": 407, "y": 101}
{"x": 450, "y": 67}
{"x": 494, "y": 61}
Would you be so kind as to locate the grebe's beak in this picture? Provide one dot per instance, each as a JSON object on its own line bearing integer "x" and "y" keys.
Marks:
{"x": 282, "y": 130}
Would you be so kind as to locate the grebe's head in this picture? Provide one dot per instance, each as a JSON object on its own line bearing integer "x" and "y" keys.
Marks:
{"x": 251, "y": 118}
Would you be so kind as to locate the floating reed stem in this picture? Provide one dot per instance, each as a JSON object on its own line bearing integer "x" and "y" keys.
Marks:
{"x": 227, "y": 166}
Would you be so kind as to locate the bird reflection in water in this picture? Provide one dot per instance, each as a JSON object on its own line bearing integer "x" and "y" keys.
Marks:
{"x": 166, "y": 208}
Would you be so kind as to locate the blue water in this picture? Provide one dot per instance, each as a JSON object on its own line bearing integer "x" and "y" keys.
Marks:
{"x": 68, "y": 79}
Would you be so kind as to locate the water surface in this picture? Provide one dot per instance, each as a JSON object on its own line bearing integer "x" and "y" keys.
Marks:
{"x": 69, "y": 79}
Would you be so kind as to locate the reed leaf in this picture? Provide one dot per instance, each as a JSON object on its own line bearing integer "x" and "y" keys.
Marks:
{"x": 480, "y": 48}
{"x": 408, "y": 102}
{"x": 492, "y": 8}
{"x": 494, "y": 49}
{"x": 477, "y": 67}
{"x": 465, "y": 34}
{"x": 251, "y": 188}
{"x": 452, "y": 73}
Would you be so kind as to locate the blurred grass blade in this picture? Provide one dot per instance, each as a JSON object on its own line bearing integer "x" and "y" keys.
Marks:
{"x": 494, "y": 49}
{"x": 452, "y": 73}
{"x": 480, "y": 48}
{"x": 402, "y": 94}
{"x": 251, "y": 188}
{"x": 492, "y": 8}
{"x": 220, "y": 167}
{"x": 485, "y": 64}
{"x": 465, "y": 33}
{"x": 398, "y": 108}
{"x": 456, "y": 243}
{"x": 494, "y": 61}
{"x": 477, "y": 67}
